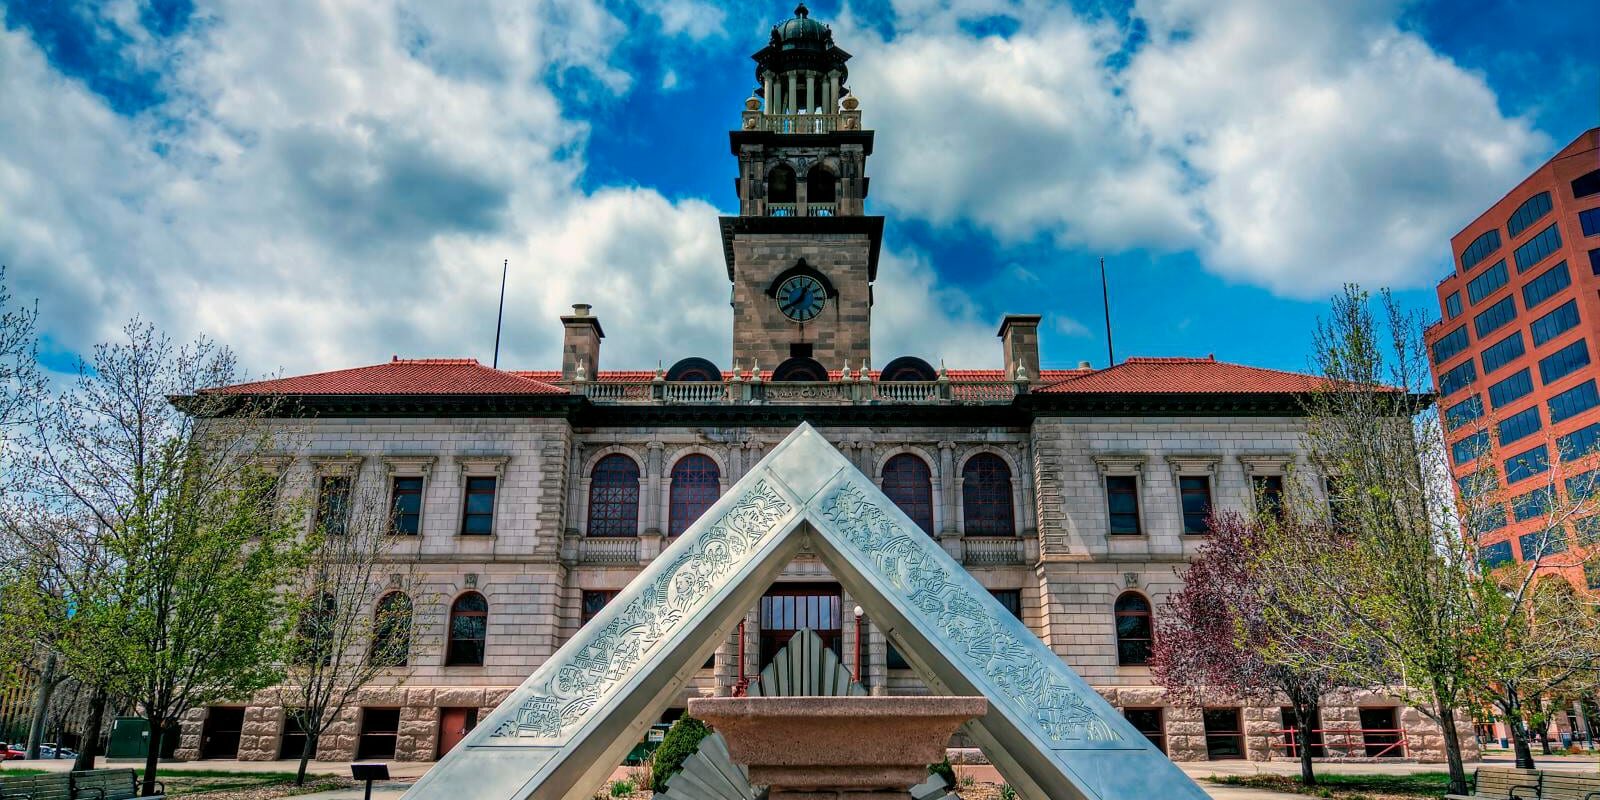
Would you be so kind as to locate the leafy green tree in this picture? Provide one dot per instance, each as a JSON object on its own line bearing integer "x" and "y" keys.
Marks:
{"x": 181, "y": 605}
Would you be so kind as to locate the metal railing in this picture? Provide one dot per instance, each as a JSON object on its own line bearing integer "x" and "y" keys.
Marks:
{"x": 783, "y": 209}
{"x": 1353, "y": 742}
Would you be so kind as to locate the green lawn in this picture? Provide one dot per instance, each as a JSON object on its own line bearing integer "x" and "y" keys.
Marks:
{"x": 1430, "y": 785}
{"x": 16, "y": 771}
{"x": 199, "y": 781}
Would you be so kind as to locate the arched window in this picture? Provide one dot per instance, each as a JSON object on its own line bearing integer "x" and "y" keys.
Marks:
{"x": 696, "y": 484}
{"x": 314, "y": 632}
{"x": 800, "y": 368}
{"x": 614, "y": 497}
{"x": 694, "y": 369}
{"x": 986, "y": 497}
{"x": 908, "y": 368}
{"x": 819, "y": 186}
{"x": 391, "y": 630}
{"x": 469, "y": 631}
{"x": 909, "y": 483}
{"x": 1134, "y": 631}
{"x": 781, "y": 184}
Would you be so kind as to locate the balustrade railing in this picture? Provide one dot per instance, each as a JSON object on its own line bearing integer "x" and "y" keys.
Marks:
{"x": 798, "y": 123}
{"x": 822, "y": 209}
{"x": 853, "y": 391}
{"x": 608, "y": 550}
{"x": 783, "y": 209}
{"x": 994, "y": 550}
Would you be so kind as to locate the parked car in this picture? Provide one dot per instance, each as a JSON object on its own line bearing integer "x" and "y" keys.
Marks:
{"x": 52, "y": 751}
{"x": 13, "y": 752}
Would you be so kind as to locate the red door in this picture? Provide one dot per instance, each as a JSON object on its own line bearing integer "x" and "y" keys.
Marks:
{"x": 454, "y": 723}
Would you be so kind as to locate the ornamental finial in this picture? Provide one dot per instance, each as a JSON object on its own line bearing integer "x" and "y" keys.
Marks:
{"x": 801, "y": 11}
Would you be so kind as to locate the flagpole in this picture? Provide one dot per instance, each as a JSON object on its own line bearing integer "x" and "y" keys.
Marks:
{"x": 499, "y": 317}
{"x": 1105, "y": 298}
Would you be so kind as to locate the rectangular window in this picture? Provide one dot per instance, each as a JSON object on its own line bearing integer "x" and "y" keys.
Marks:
{"x": 1539, "y": 544}
{"x": 1564, "y": 362}
{"x": 1469, "y": 449}
{"x": 1590, "y": 221}
{"x": 1588, "y": 532}
{"x": 477, "y": 516}
{"x": 1148, "y": 721}
{"x": 1582, "y": 486}
{"x": 1459, "y": 378}
{"x": 1487, "y": 518}
{"x": 1585, "y": 185}
{"x": 1488, "y": 283}
{"x": 1495, "y": 555}
{"x": 1463, "y": 412}
{"x": 1122, "y": 503}
{"x": 1452, "y": 305}
{"x": 1532, "y": 504}
{"x": 1546, "y": 285}
{"x": 1511, "y": 389}
{"x": 1477, "y": 483}
{"x": 1528, "y": 213}
{"x": 593, "y": 601}
{"x": 1450, "y": 344}
{"x": 1269, "y": 494}
{"x": 1579, "y": 443}
{"x": 1564, "y": 318}
{"x": 1480, "y": 249}
{"x": 1574, "y": 401}
{"x": 405, "y": 506}
{"x": 1527, "y": 464}
{"x": 1289, "y": 723}
{"x": 1520, "y": 425}
{"x": 1594, "y": 261}
{"x": 1495, "y": 317}
{"x": 1591, "y": 574}
{"x": 1503, "y": 352}
{"x": 1195, "y": 493}
{"x": 1011, "y": 599}
{"x": 333, "y": 504}
{"x": 1224, "y": 734}
{"x": 1538, "y": 248}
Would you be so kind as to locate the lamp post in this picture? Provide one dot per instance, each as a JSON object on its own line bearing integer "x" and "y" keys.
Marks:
{"x": 859, "y": 612}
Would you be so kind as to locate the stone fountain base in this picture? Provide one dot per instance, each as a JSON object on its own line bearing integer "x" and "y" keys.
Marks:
{"x": 837, "y": 748}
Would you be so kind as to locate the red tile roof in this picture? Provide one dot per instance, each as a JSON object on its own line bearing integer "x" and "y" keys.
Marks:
{"x": 1185, "y": 376}
{"x": 402, "y": 376}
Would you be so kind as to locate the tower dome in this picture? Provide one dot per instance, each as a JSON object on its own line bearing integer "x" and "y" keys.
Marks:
{"x": 802, "y": 32}
{"x": 800, "y": 43}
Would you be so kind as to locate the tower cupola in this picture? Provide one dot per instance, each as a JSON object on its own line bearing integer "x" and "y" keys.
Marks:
{"x": 800, "y": 72}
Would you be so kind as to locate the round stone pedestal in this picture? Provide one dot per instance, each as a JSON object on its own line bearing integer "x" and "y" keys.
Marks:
{"x": 837, "y": 748}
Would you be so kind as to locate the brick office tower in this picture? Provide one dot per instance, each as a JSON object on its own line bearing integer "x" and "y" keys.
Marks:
{"x": 1514, "y": 355}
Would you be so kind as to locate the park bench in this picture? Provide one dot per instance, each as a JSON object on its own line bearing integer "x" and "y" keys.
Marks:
{"x": 95, "y": 784}
{"x": 1502, "y": 783}
{"x": 1569, "y": 786}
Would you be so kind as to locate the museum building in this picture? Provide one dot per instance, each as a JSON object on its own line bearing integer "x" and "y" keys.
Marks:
{"x": 523, "y": 500}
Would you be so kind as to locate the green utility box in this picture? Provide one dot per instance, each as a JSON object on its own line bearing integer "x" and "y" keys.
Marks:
{"x": 652, "y": 739}
{"x": 130, "y": 738}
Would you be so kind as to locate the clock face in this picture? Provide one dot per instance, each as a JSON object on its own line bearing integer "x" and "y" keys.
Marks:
{"x": 801, "y": 298}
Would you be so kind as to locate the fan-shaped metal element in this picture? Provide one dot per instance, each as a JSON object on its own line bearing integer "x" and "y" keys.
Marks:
{"x": 806, "y": 667}
{"x": 710, "y": 774}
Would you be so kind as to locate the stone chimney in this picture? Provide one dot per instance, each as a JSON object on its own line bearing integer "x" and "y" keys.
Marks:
{"x": 1019, "y": 338}
{"x": 580, "y": 343}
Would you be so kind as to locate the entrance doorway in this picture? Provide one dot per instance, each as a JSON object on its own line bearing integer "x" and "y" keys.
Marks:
{"x": 454, "y": 725}
{"x": 789, "y": 607}
{"x": 380, "y": 728}
{"x": 219, "y": 736}
{"x": 1380, "y": 733}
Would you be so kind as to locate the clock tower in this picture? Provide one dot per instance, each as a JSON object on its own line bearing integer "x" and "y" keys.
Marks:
{"x": 802, "y": 255}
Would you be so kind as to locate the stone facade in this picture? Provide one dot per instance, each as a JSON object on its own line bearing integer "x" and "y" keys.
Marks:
{"x": 535, "y": 567}
{"x": 839, "y": 336}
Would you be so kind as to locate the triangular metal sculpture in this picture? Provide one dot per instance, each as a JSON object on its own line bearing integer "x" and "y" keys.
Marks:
{"x": 559, "y": 735}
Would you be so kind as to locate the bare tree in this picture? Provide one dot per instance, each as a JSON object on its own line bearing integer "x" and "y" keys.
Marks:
{"x": 1407, "y": 578}
{"x": 353, "y": 621}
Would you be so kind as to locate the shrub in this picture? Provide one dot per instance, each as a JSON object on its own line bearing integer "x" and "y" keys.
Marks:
{"x": 1007, "y": 793}
{"x": 944, "y": 770}
{"x": 621, "y": 788}
{"x": 682, "y": 739}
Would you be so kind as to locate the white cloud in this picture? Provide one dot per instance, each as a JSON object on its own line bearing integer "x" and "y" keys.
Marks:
{"x": 913, "y": 314}
{"x": 1292, "y": 145}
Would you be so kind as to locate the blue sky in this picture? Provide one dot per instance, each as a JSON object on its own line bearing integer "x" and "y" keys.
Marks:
{"x": 322, "y": 185}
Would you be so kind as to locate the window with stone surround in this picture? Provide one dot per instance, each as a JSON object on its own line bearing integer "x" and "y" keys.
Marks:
{"x": 1268, "y": 490}
{"x": 1194, "y": 493}
{"x": 1122, "y": 505}
{"x": 469, "y": 631}
{"x": 405, "y": 505}
{"x": 986, "y": 506}
{"x": 614, "y": 497}
{"x": 1135, "y": 631}
{"x": 593, "y": 601}
{"x": 391, "y": 630}
{"x": 477, "y": 511}
{"x": 1224, "y": 733}
{"x": 333, "y": 504}
{"x": 696, "y": 485}
{"x": 908, "y": 482}
{"x": 1151, "y": 722}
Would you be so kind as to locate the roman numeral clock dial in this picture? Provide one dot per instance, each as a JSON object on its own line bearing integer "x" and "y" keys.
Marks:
{"x": 801, "y": 298}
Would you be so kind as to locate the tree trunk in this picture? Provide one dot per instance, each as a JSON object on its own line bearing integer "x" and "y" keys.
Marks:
{"x": 41, "y": 705}
{"x": 1305, "y": 719}
{"x": 1452, "y": 749}
{"x": 1519, "y": 743}
{"x": 90, "y": 746}
{"x": 152, "y": 755}
{"x": 306, "y": 752}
